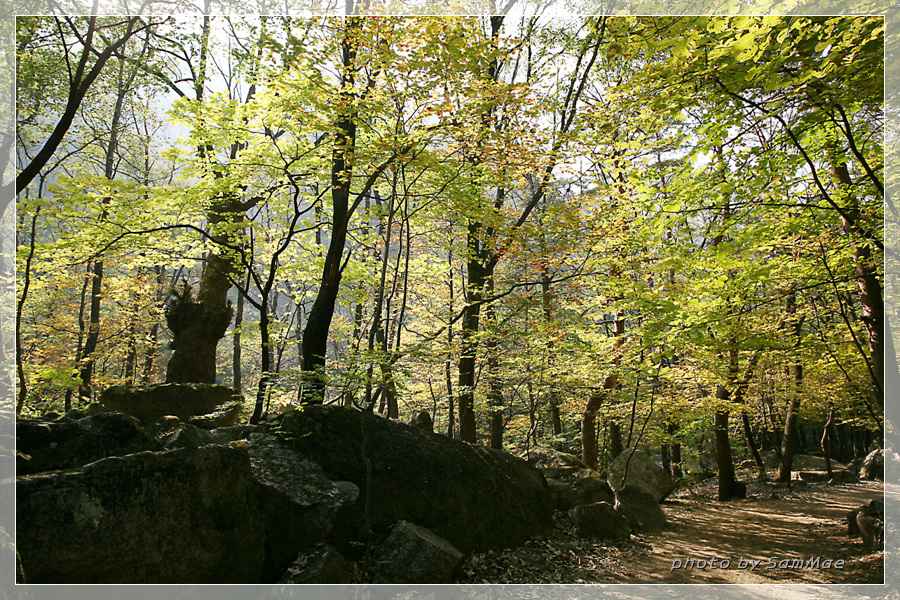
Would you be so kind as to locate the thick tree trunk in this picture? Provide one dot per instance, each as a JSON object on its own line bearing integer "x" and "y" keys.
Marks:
{"x": 589, "y": 450}
{"x": 198, "y": 324}
{"x": 616, "y": 447}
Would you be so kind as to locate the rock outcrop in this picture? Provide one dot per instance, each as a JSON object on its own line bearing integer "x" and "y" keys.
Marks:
{"x": 48, "y": 445}
{"x": 257, "y": 504}
{"x": 179, "y": 516}
{"x": 205, "y": 405}
{"x": 476, "y": 498}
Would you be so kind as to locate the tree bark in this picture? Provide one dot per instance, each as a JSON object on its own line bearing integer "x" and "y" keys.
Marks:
{"x": 727, "y": 481}
{"x": 870, "y": 293}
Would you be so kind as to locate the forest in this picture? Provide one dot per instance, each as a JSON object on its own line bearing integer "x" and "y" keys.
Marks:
{"x": 580, "y": 233}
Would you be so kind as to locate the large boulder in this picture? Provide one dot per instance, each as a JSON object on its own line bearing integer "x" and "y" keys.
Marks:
{"x": 205, "y": 405}
{"x": 300, "y": 504}
{"x": 414, "y": 555}
{"x": 574, "y": 488}
{"x": 68, "y": 443}
{"x": 601, "y": 520}
{"x": 873, "y": 465}
{"x": 641, "y": 508}
{"x": 180, "y": 516}
{"x": 641, "y": 472}
{"x": 476, "y": 498}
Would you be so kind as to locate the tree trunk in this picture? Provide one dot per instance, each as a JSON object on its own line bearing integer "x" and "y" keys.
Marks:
{"x": 727, "y": 481}
{"x": 870, "y": 294}
{"x": 790, "y": 428}
{"x": 826, "y": 439}
{"x": 318, "y": 322}
{"x": 675, "y": 453}
{"x": 236, "y": 345}
{"x": 470, "y": 321}
{"x": 495, "y": 385}
{"x": 198, "y": 324}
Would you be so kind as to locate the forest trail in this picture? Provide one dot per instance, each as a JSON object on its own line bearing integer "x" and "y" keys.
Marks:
{"x": 771, "y": 522}
{"x": 767, "y": 527}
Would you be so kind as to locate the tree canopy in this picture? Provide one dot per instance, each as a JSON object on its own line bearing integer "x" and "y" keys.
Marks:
{"x": 589, "y": 233}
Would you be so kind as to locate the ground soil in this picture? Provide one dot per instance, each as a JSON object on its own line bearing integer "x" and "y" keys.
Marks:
{"x": 773, "y": 521}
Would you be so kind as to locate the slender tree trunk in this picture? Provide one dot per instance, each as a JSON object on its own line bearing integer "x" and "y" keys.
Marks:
{"x": 495, "y": 385}
{"x": 826, "y": 439}
{"x": 553, "y": 398}
{"x": 675, "y": 453}
{"x": 23, "y": 296}
{"x": 236, "y": 368}
{"x": 318, "y": 323}
{"x": 870, "y": 293}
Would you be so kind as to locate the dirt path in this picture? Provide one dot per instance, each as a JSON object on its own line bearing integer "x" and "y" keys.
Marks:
{"x": 771, "y": 522}
{"x": 762, "y": 531}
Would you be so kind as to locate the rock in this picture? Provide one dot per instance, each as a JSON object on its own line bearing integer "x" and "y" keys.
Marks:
{"x": 867, "y": 521}
{"x": 321, "y": 566}
{"x": 641, "y": 508}
{"x": 223, "y": 435}
{"x": 601, "y": 520}
{"x": 873, "y": 466}
{"x": 544, "y": 458}
{"x": 212, "y": 405}
{"x": 300, "y": 504}
{"x": 476, "y": 498}
{"x": 185, "y": 435}
{"x": 584, "y": 486}
{"x": 423, "y": 421}
{"x": 642, "y": 473}
{"x": 412, "y": 554}
{"x": 837, "y": 476}
{"x": 66, "y": 443}
{"x": 180, "y": 516}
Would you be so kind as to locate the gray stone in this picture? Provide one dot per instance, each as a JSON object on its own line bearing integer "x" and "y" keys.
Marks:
{"x": 583, "y": 486}
{"x": 601, "y": 520}
{"x": 642, "y": 473}
{"x": 67, "y": 443}
{"x": 205, "y": 405}
{"x": 300, "y": 504}
{"x": 324, "y": 565}
{"x": 476, "y": 498}
{"x": 546, "y": 458}
{"x": 412, "y": 554}
{"x": 873, "y": 466}
{"x": 642, "y": 509}
{"x": 185, "y": 435}
{"x": 180, "y": 516}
